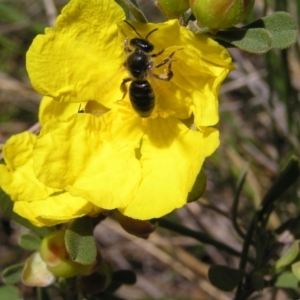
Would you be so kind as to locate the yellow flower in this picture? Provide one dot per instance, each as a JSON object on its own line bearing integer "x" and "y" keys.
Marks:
{"x": 109, "y": 156}
{"x": 41, "y": 205}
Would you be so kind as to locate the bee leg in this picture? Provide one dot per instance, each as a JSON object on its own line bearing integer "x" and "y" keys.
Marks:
{"x": 168, "y": 59}
{"x": 167, "y": 76}
{"x": 123, "y": 87}
{"x": 168, "y": 71}
{"x": 157, "y": 54}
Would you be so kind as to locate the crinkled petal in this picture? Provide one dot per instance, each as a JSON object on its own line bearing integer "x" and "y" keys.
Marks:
{"x": 17, "y": 177}
{"x": 51, "y": 109}
{"x": 207, "y": 64}
{"x": 81, "y": 58}
{"x": 171, "y": 157}
{"x": 41, "y": 205}
{"x": 58, "y": 208}
{"x": 93, "y": 158}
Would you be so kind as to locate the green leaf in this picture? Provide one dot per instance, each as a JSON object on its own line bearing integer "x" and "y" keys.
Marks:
{"x": 287, "y": 280}
{"x": 225, "y": 278}
{"x": 80, "y": 242}
{"x": 6, "y": 205}
{"x": 132, "y": 7}
{"x": 296, "y": 269}
{"x": 281, "y": 26}
{"x": 253, "y": 40}
{"x": 198, "y": 188}
{"x": 288, "y": 257}
{"x": 10, "y": 292}
{"x": 13, "y": 274}
{"x": 278, "y": 31}
{"x": 30, "y": 242}
{"x": 124, "y": 7}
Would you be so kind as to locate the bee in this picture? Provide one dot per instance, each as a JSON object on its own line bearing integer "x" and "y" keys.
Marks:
{"x": 139, "y": 63}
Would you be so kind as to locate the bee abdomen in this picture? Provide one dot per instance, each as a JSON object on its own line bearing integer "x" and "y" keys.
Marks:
{"x": 142, "y": 97}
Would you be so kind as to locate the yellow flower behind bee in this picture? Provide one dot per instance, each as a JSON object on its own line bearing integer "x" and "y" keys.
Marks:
{"x": 103, "y": 153}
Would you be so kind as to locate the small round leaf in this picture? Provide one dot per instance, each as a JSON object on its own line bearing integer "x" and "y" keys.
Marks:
{"x": 30, "y": 242}
{"x": 225, "y": 278}
{"x": 287, "y": 280}
{"x": 13, "y": 274}
{"x": 10, "y": 292}
{"x": 80, "y": 242}
{"x": 288, "y": 257}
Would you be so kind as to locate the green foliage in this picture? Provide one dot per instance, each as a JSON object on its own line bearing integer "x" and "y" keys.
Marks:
{"x": 276, "y": 31}
{"x": 287, "y": 280}
{"x": 132, "y": 7}
{"x": 296, "y": 269}
{"x": 255, "y": 40}
{"x": 13, "y": 274}
{"x": 225, "y": 278}
{"x": 281, "y": 26}
{"x": 9, "y": 292}
{"x": 80, "y": 242}
{"x": 287, "y": 258}
{"x": 30, "y": 242}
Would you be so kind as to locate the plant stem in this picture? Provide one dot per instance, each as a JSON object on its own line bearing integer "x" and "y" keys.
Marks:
{"x": 202, "y": 237}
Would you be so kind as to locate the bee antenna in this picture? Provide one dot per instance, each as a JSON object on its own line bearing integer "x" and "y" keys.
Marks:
{"x": 151, "y": 32}
{"x": 133, "y": 28}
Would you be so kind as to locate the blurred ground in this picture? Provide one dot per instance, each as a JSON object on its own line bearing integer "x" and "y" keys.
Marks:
{"x": 259, "y": 123}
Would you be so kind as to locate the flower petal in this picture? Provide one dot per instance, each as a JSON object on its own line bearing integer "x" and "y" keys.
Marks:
{"x": 36, "y": 273}
{"x": 92, "y": 158}
{"x": 50, "y": 109}
{"x": 17, "y": 177}
{"x": 172, "y": 156}
{"x": 58, "y": 208}
{"x": 81, "y": 58}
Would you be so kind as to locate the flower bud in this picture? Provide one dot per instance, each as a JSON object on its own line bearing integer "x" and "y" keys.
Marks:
{"x": 135, "y": 227}
{"x": 173, "y": 8}
{"x": 220, "y": 14}
{"x": 36, "y": 273}
{"x": 54, "y": 253}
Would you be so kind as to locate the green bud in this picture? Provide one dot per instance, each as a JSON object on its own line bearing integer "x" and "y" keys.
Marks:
{"x": 220, "y": 14}
{"x": 36, "y": 273}
{"x": 54, "y": 253}
{"x": 172, "y": 8}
